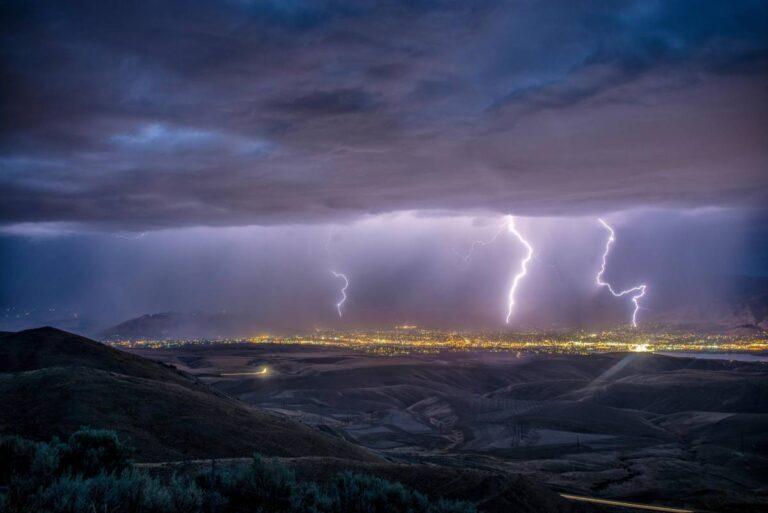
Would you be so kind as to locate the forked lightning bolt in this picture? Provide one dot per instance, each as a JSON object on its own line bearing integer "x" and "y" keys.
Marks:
{"x": 523, "y": 266}
{"x": 637, "y": 292}
{"x": 481, "y": 243}
{"x": 343, "y": 290}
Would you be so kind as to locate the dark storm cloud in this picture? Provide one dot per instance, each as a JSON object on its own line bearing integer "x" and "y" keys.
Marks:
{"x": 224, "y": 113}
{"x": 325, "y": 103}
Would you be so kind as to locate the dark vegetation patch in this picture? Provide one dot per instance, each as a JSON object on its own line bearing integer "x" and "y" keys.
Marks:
{"x": 92, "y": 471}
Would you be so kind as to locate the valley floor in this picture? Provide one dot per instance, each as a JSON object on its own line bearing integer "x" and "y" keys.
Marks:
{"x": 677, "y": 431}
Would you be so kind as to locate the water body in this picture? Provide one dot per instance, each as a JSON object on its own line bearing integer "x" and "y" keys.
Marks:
{"x": 741, "y": 357}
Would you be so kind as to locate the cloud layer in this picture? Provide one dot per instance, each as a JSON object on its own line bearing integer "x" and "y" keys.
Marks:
{"x": 402, "y": 269}
{"x": 140, "y": 116}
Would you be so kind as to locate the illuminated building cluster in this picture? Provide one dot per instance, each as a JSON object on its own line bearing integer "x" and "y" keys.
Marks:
{"x": 414, "y": 340}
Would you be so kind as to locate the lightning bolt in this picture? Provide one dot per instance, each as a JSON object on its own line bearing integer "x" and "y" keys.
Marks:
{"x": 480, "y": 243}
{"x": 637, "y": 292}
{"x": 523, "y": 265}
{"x": 328, "y": 241}
{"x": 343, "y": 290}
{"x": 136, "y": 236}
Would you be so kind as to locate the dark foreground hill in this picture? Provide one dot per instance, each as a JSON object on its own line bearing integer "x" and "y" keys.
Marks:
{"x": 47, "y": 347}
{"x": 52, "y": 382}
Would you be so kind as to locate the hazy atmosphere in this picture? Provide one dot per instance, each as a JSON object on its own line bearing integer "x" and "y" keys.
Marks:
{"x": 403, "y": 268}
{"x": 227, "y": 156}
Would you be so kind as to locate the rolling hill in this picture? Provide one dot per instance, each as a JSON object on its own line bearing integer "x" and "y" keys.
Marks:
{"x": 53, "y": 382}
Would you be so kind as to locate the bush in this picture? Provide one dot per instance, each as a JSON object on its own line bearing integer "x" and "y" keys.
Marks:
{"x": 266, "y": 487}
{"x": 355, "y": 493}
{"x": 16, "y": 457}
{"x": 309, "y": 498}
{"x": 89, "y": 452}
{"x": 25, "y": 468}
{"x": 185, "y": 496}
{"x": 127, "y": 492}
{"x": 91, "y": 472}
{"x": 53, "y": 476}
{"x": 360, "y": 493}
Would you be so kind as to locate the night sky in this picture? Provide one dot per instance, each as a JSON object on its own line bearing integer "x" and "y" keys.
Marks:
{"x": 208, "y": 156}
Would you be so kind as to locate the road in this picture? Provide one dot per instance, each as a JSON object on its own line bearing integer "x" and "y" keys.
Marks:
{"x": 623, "y": 504}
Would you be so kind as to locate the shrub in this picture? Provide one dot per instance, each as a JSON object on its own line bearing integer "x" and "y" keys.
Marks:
{"x": 309, "y": 498}
{"x": 127, "y": 492}
{"x": 16, "y": 457}
{"x": 259, "y": 487}
{"x": 360, "y": 493}
{"x": 91, "y": 473}
{"x": 185, "y": 496}
{"x": 89, "y": 452}
{"x": 25, "y": 468}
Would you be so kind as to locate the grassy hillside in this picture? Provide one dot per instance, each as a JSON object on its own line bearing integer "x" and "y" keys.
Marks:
{"x": 50, "y": 347}
{"x": 54, "y": 382}
{"x": 491, "y": 492}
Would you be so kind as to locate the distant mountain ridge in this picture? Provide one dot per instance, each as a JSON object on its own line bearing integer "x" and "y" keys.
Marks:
{"x": 174, "y": 325}
{"x": 741, "y": 303}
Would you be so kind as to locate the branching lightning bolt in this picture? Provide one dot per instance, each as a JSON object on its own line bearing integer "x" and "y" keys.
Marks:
{"x": 523, "y": 266}
{"x": 343, "y": 290}
{"x": 328, "y": 241}
{"x": 481, "y": 243}
{"x": 637, "y": 292}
